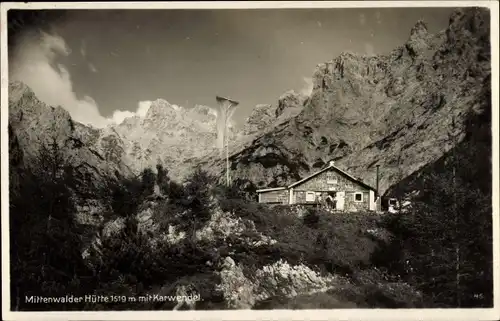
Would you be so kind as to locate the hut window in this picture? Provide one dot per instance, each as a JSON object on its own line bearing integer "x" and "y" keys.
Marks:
{"x": 310, "y": 196}
{"x": 358, "y": 197}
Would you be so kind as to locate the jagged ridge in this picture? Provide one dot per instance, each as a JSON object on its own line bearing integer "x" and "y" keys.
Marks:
{"x": 393, "y": 110}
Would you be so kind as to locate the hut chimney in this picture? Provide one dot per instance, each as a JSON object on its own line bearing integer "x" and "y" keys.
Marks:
{"x": 332, "y": 163}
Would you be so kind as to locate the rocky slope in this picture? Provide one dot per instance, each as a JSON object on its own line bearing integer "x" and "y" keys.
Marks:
{"x": 396, "y": 110}
{"x": 403, "y": 111}
{"x": 179, "y": 137}
{"x": 265, "y": 116}
{"x": 92, "y": 154}
{"x": 168, "y": 134}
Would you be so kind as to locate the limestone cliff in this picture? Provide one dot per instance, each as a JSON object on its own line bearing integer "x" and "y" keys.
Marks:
{"x": 396, "y": 110}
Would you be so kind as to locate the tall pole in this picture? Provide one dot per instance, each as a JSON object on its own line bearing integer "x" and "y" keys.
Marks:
{"x": 377, "y": 180}
{"x": 227, "y": 152}
{"x": 226, "y": 107}
{"x": 378, "y": 198}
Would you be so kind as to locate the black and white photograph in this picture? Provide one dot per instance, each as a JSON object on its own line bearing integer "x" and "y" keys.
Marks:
{"x": 331, "y": 157}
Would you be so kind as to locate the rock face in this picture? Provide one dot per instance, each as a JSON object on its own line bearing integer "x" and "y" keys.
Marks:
{"x": 283, "y": 279}
{"x": 93, "y": 155}
{"x": 264, "y": 117}
{"x": 260, "y": 119}
{"x": 33, "y": 124}
{"x": 168, "y": 134}
{"x": 397, "y": 110}
{"x": 277, "y": 279}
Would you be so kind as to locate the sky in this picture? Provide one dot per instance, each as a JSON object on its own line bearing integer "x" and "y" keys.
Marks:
{"x": 105, "y": 65}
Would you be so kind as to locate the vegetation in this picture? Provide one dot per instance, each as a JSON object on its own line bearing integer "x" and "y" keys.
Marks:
{"x": 443, "y": 246}
{"x": 45, "y": 239}
{"x": 438, "y": 255}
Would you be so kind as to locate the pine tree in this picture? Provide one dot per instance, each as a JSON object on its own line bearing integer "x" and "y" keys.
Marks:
{"x": 45, "y": 236}
{"x": 197, "y": 200}
{"x": 444, "y": 245}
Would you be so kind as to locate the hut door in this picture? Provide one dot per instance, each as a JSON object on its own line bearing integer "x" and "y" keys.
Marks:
{"x": 340, "y": 200}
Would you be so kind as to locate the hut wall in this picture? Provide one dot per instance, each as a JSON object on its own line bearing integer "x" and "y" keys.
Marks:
{"x": 330, "y": 180}
{"x": 333, "y": 181}
{"x": 274, "y": 197}
{"x": 351, "y": 205}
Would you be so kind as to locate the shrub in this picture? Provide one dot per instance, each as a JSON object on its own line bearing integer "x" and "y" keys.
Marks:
{"x": 148, "y": 180}
{"x": 338, "y": 243}
{"x": 162, "y": 178}
{"x": 197, "y": 196}
{"x": 311, "y": 219}
{"x": 232, "y": 192}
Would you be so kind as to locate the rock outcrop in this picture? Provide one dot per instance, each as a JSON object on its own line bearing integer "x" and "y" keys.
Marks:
{"x": 169, "y": 135}
{"x": 91, "y": 155}
{"x": 397, "y": 110}
{"x": 265, "y": 117}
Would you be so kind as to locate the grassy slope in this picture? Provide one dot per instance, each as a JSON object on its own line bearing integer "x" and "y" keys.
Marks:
{"x": 340, "y": 244}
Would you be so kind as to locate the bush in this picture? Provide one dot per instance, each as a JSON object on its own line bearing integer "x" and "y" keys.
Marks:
{"x": 162, "y": 178}
{"x": 268, "y": 220}
{"x": 197, "y": 195}
{"x": 232, "y": 192}
{"x": 130, "y": 255}
{"x": 311, "y": 219}
{"x": 336, "y": 243}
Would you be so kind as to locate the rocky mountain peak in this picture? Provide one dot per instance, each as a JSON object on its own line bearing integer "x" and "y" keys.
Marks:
{"x": 203, "y": 114}
{"x": 160, "y": 108}
{"x": 393, "y": 110}
{"x": 290, "y": 104}
{"x": 204, "y": 110}
{"x": 419, "y": 30}
{"x": 89, "y": 153}
{"x": 26, "y": 109}
{"x": 262, "y": 116}
{"x": 420, "y": 41}
{"x": 265, "y": 116}
{"x": 362, "y": 110}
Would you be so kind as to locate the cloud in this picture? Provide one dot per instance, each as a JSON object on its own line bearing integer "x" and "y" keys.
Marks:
{"x": 34, "y": 63}
{"x": 120, "y": 115}
{"x": 143, "y": 107}
{"x": 308, "y": 86}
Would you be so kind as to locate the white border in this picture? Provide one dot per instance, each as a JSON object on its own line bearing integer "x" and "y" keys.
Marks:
{"x": 343, "y": 314}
